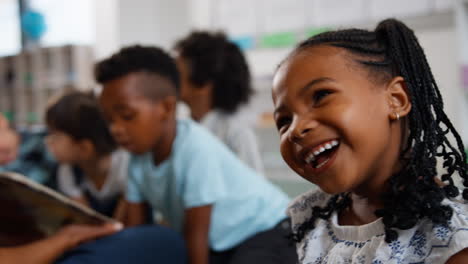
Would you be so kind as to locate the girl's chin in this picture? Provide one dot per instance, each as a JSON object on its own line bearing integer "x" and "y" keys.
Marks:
{"x": 332, "y": 187}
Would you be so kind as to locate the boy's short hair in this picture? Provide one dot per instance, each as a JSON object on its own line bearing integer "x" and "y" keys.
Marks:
{"x": 213, "y": 58}
{"x": 140, "y": 59}
{"x": 78, "y": 115}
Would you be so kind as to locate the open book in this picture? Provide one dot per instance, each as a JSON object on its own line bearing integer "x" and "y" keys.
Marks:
{"x": 30, "y": 211}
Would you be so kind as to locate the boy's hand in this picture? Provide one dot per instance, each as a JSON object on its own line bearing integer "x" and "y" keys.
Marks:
{"x": 74, "y": 235}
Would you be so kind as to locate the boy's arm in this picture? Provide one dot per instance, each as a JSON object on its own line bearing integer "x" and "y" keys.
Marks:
{"x": 137, "y": 213}
{"x": 48, "y": 250}
{"x": 196, "y": 229}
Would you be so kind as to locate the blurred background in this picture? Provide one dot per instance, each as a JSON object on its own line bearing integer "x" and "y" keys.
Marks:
{"x": 51, "y": 45}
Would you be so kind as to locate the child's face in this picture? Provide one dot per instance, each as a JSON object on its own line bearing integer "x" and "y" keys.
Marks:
{"x": 333, "y": 121}
{"x": 191, "y": 94}
{"x": 187, "y": 89}
{"x": 135, "y": 121}
{"x": 63, "y": 147}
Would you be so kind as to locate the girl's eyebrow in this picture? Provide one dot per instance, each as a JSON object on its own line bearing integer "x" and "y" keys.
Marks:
{"x": 304, "y": 90}
{"x": 314, "y": 82}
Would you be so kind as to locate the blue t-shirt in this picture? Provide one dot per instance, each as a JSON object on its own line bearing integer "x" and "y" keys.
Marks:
{"x": 202, "y": 171}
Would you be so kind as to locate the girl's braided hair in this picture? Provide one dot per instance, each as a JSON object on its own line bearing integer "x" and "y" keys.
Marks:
{"x": 392, "y": 50}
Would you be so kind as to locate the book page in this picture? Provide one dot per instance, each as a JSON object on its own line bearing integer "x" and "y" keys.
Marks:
{"x": 31, "y": 211}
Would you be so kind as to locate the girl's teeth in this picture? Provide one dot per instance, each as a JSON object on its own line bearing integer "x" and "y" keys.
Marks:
{"x": 321, "y": 164}
{"x": 310, "y": 159}
{"x": 327, "y": 146}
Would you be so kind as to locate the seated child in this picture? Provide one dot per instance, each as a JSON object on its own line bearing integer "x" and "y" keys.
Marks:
{"x": 360, "y": 115}
{"x": 216, "y": 85}
{"x": 77, "y": 244}
{"x": 92, "y": 170}
{"x": 224, "y": 209}
{"x": 24, "y": 152}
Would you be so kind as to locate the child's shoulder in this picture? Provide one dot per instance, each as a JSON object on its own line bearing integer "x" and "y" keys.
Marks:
{"x": 436, "y": 243}
{"x": 193, "y": 139}
{"x": 424, "y": 243}
{"x": 457, "y": 227}
{"x": 300, "y": 209}
{"x": 189, "y": 133}
{"x": 314, "y": 197}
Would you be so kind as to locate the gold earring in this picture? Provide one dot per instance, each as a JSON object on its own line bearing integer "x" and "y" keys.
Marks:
{"x": 397, "y": 116}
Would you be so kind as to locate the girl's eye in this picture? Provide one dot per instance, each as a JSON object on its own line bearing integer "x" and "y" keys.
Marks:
{"x": 283, "y": 122}
{"x": 320, "y": 94}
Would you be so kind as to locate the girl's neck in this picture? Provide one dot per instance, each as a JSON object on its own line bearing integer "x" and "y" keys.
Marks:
{"x": 96, "y": 169}
{"x": 367, "y": 197}
{"x": 361, "y": 211}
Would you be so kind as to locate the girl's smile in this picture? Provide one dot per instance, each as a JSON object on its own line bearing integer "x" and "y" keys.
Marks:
{"x": 321, "y": 156}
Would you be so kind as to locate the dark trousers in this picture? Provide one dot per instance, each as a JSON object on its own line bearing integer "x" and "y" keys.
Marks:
{"x": 271, "y": 246}
{"x": 143, "y": 245}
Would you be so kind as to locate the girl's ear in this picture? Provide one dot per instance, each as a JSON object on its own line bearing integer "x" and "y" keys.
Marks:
{"x": 398, "y": 98}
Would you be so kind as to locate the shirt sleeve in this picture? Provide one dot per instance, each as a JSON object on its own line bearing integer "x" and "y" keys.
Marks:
{"x": 66, "y": 182}
{"x": 135, "y": 174}
{"x": 204, "y": 176}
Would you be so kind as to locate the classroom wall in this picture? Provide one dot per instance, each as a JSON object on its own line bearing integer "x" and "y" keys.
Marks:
{"x": 441, "y": 50}
{"x": 106, "y": 17}
{"x": 148, "y": 22}
{"x": 158, "y": 22}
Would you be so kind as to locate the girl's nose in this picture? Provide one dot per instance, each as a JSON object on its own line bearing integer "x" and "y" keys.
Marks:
{"x": 301, "y": 128}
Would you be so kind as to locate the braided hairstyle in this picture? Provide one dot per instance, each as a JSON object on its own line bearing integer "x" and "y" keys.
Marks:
{"x": 412, "y": 194}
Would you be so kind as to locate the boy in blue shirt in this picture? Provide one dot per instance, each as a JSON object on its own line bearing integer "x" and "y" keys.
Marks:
{"x": 225, "y": 210}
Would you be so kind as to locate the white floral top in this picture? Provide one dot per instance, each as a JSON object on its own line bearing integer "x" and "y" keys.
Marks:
{"x": 329, "y": 242}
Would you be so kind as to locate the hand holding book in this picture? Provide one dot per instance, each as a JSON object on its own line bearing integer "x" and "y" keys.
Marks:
{"x": 31, "y": 212}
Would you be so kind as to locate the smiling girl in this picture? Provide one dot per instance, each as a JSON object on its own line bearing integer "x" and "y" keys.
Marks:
{"x": 360, "y": 115}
